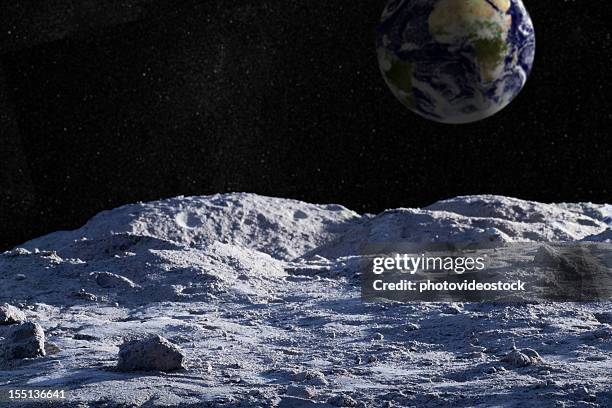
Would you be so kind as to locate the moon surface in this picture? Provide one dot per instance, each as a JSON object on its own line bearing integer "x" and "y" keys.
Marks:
{"x": 258, "y": 301}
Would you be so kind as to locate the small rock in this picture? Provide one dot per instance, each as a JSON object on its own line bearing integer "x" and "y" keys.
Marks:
{"x": 411, "y": 327}
{"x": 522, "y": 358}
{"x": 451, "y": 310}
{"x": 378, "y": 336}
{"x": 532, "y": 354}
{"x": 20, "y": 277}
{"x": 342, "y": 400}
{"x": 111, "y": 280}
{"x": 539, "y": 385}
{"x": 152, "y": 354}
{"x": 25, "y": 340}
{"x": 9, "y": 314}
{"x": 372, "y": 359}
{"x": 301, "y": 391}
{"x": 82, "y": 294}
{"x": 311, "y": 377}
{"x": 491, "y": 370}
{"x": 51, "y": 348}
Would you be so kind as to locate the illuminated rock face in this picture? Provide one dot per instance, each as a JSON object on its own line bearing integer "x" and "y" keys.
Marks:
{"x": 455, "y": 61}
{"x": 24, "y": 340}
{"x": 153, "y": 354}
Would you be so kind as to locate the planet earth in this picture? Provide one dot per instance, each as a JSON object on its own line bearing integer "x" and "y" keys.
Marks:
{"x": 455, "y": 61}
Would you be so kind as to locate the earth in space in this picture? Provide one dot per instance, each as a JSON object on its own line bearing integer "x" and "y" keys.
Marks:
{"x": 455, "y": 61}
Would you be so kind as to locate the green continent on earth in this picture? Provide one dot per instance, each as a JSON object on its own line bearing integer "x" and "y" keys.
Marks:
{"x": 400, "y": 76}
{"x": 490, "y": 53}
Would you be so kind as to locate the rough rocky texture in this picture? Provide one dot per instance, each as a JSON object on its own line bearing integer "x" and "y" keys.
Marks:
{"x": 310, "y": 377}
{"x": 153, "y": 354}
{"x": 478, "y": 219}
{"x": 9, "y": 314}
{"x": 25, "y": 340}
{"x": 604, "y": 317}
{"x": 262, "y": 296}
{"x": 112, "y": 280}
{"x": 279, "y": 227}
{"x": 522, "y": 358}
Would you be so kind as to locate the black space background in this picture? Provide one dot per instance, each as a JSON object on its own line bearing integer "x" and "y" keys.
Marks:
{"x": 112, "y": 102}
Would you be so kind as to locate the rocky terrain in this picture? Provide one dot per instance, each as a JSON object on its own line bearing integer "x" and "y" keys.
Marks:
{"x": 239, "y": 300}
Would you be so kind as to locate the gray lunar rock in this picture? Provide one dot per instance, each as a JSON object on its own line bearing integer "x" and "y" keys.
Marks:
{"x": 82, "y": 294}
{"x": 342, "y": 400}
{"x": 152, "y": 354}
{"x": 522, "y": 358}
{"x": 9, "y": 314}
{"x": 112, "y": 280}
{"x": 301, "y": 391}
{"x": 311, "y": 377}
{"x": 451, "y": 310}
{"x": 533, "y": 355}
{"x": 25, "y": 340}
